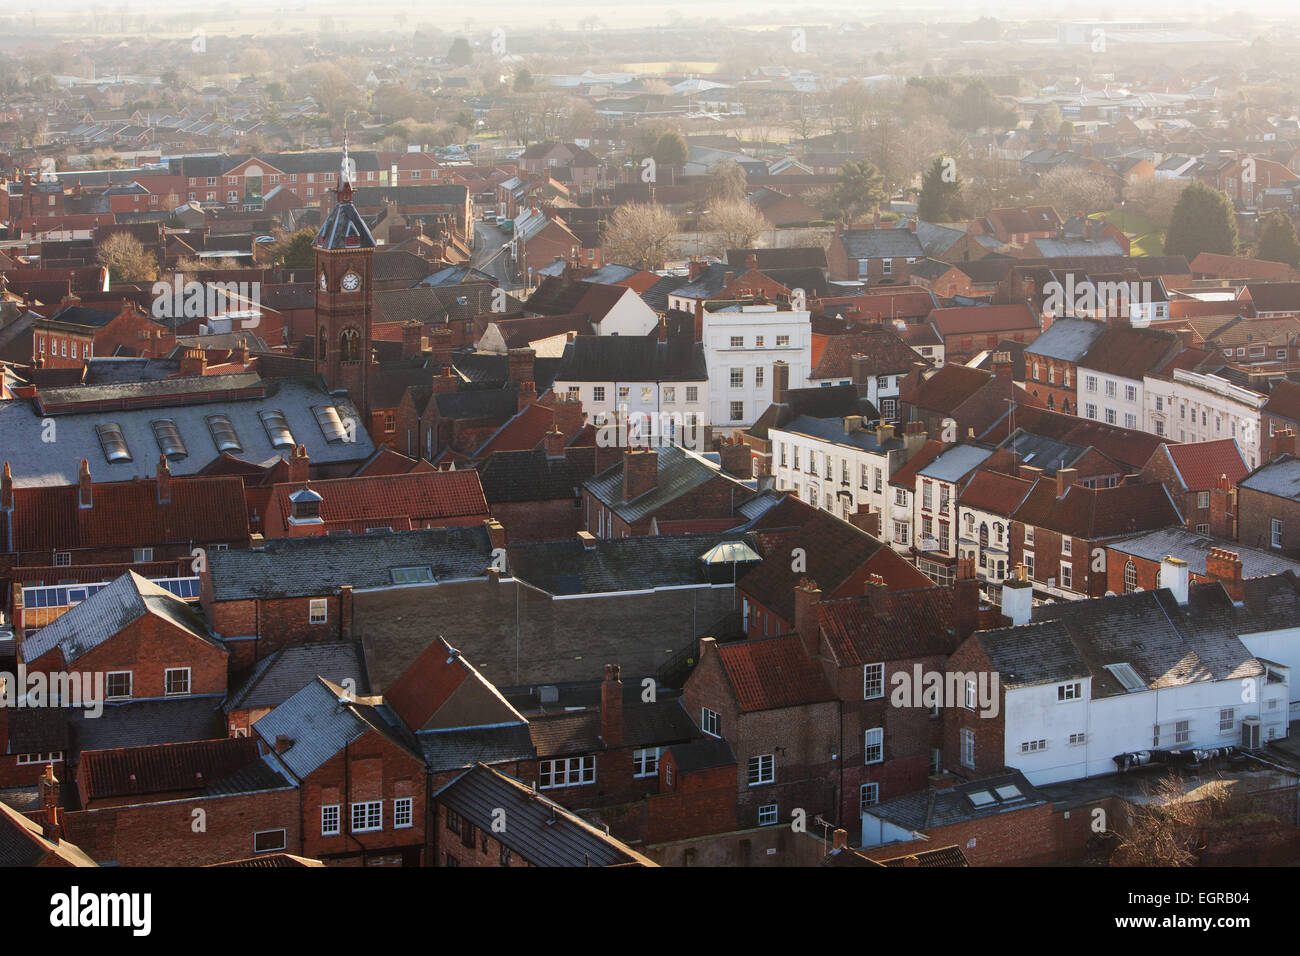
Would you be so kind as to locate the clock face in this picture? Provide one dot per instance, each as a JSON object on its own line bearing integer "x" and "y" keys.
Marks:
{"x": 351, "y": 282}
{"x": 324, "y": 283}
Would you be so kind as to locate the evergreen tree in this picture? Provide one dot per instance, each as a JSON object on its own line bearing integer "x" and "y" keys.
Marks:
{"x": 1202, "y": 222}
{"x": 670, "y": 149}
{"x": 940, "y": 199}
{"x": 860, "y": 189}
{"x": 1277, "y": 239}
{"x": 460, "y": 53}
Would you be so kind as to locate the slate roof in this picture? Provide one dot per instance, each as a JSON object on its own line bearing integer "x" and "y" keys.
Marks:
{"x": 773, "y": 673}
{"x": 319, "y": 724}
{"x": 618, "y": 358}
{"x": 491, "y": 370}
{"x": 540, "y": 831}
{"x": 277, "y": 677}
{"x": 463, "y": 747}
{"x": 818, "y": 402}
{"x": 793, "y": 257}
{"x": 528, "y": 476}
{"x": 930, "y": 809}
{"x": 702, "y": 754}
{"x": 1192, "y": 547}
{"x": 954, "y": 463}
{"x": 881, "y": 244}
{"x": 146, "y": 722}
{"x": 317, "y": 565}
{"x": 560, "y": 296}
{"x": 35, "y": 462}
{"x": 679, "y": 473}
{"x": 343, "y": 228}
{"x": 1280, "y": 478}
{"x": 22, "y": 843}
{"x": 616, "y": 564}
{"x": 1067, "y": 339}
{"x": 657, "y": 724}
{"x": 1166, "y": 646}
{"x": 107, "y": 612}
{"x": 832, "y": 431}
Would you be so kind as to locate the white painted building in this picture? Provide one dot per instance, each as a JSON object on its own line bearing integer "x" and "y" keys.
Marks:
{"x": 838, "y": 465}
{"x": 1113, "y": 399}
{"x": 741, "y": 342}
{"x": 1111, "y": 677}
{"x": 1195, "y": 407}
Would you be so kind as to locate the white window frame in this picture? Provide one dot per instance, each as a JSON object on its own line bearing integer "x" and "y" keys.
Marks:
{"x": 873, "y": 741}
{"x": 761, "y": 770}
{"x": 769, "y": 814}
{"x": 167, "y": 691}
{"x": 366, "y": 811}
{"x": 566, "y": 772}
{"x": 873, "y": 681}
{"x": 645, "y": 761}
{"x": 130, "y": 685}
{"x": 318, "y": 611}
{"x": 403, "y": 808}
{"x": 328, "y": 812}
{"x": 711, "y": 722}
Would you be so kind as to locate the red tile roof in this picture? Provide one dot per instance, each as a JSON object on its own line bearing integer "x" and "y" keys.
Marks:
{"x": 891, "y": 626}
{"x": 1097, "y": 513}
{"x": 984, "y": 319}
{"x": 994, "y": 492}
{"x": 419, "y": 496}
{"x": 1201, "y": 463}
{"x": 127, "y": 514}
{"x": 524, "y": 432}
{"x": 165, "y": 768}
{"x": 947, "y": 388}
{"x": 906, "y": 475}
{"x": 773, "y": 672}
{"x": 1130, "y": 352}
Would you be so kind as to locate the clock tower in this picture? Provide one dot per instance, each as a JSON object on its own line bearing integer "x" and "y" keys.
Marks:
{"x": 344, "y": 267}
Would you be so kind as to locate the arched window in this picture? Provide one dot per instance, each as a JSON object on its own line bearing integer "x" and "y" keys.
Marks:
{"x": 1130, "y": 577}
{"x": 348, "y": 351}
{"x": 984, "y": 543}
{"x": 321, "y": 343}
{"x": 997, "y": 534}
{"x": 1051, "y": 403}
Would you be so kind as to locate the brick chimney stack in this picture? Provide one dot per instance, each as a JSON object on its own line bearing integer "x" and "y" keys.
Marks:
{"x": 1003, "y": 367}
{"x": 640, "y": 471}
{"x": 6, "y": 489}
{"x": 51, "y": 812}
{"x": 164, "y": 481}
{"x": 567, "y": 416}
{"x": 1065, "y": 477}
{"x": 440, "y": 344}
{"x": 446, "y": 381}
{"x": 412, "y": 339}
{"x": 839, "y": 839}
{"x": 611, "y": 707}
{"x": 299, "y": 464}
{"x": 521, "y": 366}
{"x": 1225, "y": 567}
{"x": 1283, "y": 443}
{"x": 780, "y": 382}
{"x": 966, "y": 599}
{"x": 554, "y": 443}
{"x": 807, "y": 599}
{"x": 86, "y": 495}
{"x": 345, "y": 612}
{"x": 527, "y": 395}
{"x": 193, "y": 362}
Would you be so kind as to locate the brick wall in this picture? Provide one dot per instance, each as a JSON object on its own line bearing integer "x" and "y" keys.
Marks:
{"x": 1255, "y": 512}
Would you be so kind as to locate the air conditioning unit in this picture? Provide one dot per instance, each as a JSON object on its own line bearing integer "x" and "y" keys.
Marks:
{"x": 1250, "y": 733}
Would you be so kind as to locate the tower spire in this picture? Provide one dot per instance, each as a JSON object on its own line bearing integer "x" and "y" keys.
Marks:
{"x": 345, "y": 173}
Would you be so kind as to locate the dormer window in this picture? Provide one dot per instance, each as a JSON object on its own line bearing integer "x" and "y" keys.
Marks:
{"x": 169, "y": 439}
{"x": 223, "y": 434}
{"x": 112, "y": 441}
{"x": 277, "y": 429}
{"x": 304, "y": 506}
{"x": 327, "y": 416}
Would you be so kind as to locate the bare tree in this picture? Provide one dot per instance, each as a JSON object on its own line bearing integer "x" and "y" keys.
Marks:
{"x": 1075, "y": 191}
{"x": 735, "y": 225}
{"x": 126, "y": 259}
{"x": 726, "y": 182}
{"x": 1168, "y": 823}
{"x": 640, "y": 235}
{"x": 1155, "y": 199}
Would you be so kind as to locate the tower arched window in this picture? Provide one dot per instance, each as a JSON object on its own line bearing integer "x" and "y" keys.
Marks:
{"x": 322, "y": 345}
{"x": 1130, "y": 577}
{"x": 348, "y": 346}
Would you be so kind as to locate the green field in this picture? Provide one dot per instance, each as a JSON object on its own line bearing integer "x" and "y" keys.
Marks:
{"x": 1144, "y": 238}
